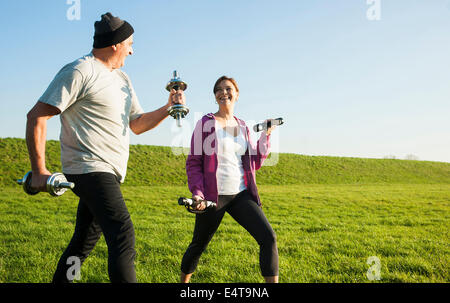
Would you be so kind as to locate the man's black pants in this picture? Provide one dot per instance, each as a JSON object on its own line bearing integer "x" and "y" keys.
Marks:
{"x": 101, "y": 209}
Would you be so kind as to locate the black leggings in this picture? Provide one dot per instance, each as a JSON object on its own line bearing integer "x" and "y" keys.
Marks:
{"x": 101, "y": 209}
{"x": 248, "y": 214}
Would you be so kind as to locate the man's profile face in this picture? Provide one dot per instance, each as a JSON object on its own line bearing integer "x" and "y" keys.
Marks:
{"x": 124, "y": 49}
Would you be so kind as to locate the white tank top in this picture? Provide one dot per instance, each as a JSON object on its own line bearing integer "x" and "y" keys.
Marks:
{"x": 230, "y": 173}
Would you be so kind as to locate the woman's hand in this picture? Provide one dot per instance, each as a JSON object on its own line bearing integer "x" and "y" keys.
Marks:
{"x": 198, "y": 205}
{"x": 270, "y": 129}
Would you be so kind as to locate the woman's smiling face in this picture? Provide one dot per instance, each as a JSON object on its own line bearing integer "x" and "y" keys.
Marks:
{"x": 226, "y": 93}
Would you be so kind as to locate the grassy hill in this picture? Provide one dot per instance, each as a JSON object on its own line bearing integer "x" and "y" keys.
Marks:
{"x": 331, "y": 215}
{"x": 158, "y": 165}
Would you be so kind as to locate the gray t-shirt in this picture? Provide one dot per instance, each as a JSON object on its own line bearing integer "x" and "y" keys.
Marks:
{"x": 96, "y": 106}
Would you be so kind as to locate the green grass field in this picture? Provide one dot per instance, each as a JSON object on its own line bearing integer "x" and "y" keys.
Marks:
{"x": 325, "y": 231}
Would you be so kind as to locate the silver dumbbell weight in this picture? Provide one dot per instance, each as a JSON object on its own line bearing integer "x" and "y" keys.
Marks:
{"x": 190, "y": 204}
{"x": 268, "y": 124}
{"x": 177, "y": 111}
{"x": 57, "y": 184}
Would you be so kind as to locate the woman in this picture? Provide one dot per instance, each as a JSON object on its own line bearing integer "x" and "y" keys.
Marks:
{"x": 221, "y": 167}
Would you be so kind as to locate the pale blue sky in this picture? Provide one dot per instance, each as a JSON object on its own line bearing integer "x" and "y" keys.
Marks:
{"x": 346, "y": 86}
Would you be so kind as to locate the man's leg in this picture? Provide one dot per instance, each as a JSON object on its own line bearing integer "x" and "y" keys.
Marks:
{"x": 87, "y": 232}
{"x": 101, "y": 195}
{"x": 110, "y": 212}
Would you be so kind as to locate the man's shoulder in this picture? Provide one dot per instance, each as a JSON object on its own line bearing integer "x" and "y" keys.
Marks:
{"x": 82, "y": 66}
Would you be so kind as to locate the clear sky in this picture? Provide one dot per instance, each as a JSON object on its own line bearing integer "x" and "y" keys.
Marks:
{"x": 346, "y": 85}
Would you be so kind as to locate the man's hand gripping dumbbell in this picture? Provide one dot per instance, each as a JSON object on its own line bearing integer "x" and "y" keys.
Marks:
{"x": 56, "y": 184}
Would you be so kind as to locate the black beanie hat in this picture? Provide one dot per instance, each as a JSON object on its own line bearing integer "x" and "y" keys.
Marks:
{"x": 111, "y": 30}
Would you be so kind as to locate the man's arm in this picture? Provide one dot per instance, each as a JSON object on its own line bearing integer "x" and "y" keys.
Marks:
{"x": 152, "y": 119}
{"x": 36, "y": 134}
{"x": 149, "y": 120}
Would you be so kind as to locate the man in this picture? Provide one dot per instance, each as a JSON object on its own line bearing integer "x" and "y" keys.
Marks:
{"x": 97, "y": 106}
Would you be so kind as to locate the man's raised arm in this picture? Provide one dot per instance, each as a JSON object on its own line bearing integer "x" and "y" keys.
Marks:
{"x": 152, "y": 119}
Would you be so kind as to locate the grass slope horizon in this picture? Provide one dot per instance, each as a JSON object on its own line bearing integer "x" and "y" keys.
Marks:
{"x": 150, "y": 165}
{"x": 330, "y": 216}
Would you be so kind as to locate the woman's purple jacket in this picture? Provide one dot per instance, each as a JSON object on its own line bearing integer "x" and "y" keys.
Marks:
{"x": 201, "y": 163}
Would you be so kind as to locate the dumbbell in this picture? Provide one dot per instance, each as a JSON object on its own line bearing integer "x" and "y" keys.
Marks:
{"x": 267, "y": 124}
{"x": 189, "y": 204}
{"x": 57, "y": 184}
{"x": 177, "y": 111}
